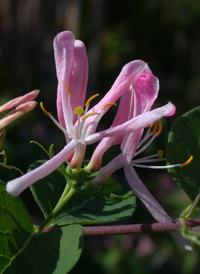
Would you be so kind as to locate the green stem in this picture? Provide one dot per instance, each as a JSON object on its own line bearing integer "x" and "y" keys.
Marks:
{"x": 66, "y": 190}
{"x": 193, "y": 207}
{"x": 59, "y": 205}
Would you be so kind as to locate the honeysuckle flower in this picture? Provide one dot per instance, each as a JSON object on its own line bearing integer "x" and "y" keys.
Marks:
{"x": 136, "y": 102}
{"x": 79, "y": 125}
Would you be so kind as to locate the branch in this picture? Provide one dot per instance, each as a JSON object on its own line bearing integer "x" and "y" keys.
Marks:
{"x": 134, "y": 229}
{"x": 138, "y": 229}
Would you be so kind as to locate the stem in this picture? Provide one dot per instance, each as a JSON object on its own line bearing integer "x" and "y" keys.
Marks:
{"x": 59, "y": 205}
{"x": 193, "y": 207}
{"x": 69, "y": 195}
{"x": 134, "y": 229}
{"x": 66, "y": 190}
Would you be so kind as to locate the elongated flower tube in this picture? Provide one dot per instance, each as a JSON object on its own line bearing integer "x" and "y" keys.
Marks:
{"x": 79, "y": 125}
{"x": 20, "y": 106}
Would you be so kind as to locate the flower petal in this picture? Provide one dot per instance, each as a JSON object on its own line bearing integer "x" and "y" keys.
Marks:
{"x": 151, "y": 204}
{"x": 142, "y": 121}
{"x": 72, "y": 68}
{"x": 78, "y": 78}
{"x": 16, "y": 186}
{"x": 126, "y": 77}
{"x": 63, "y": 53}
{"x": 137, "y": 99}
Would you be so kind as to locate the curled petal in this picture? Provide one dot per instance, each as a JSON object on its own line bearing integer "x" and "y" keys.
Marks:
{"x": 79, "y": 77}
{"x": 63, "y": 53}
{"x": 126, "y": 77}
{"x": 16, "y": 186}
{"x": 72, "y": 68}
{"x": 137, "y": 99}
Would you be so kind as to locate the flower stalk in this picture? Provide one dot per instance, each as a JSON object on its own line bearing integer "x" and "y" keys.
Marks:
{"x": 62, "y": 201}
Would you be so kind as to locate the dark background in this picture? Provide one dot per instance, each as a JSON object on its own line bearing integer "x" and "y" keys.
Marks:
{"x": 166, "y": 35}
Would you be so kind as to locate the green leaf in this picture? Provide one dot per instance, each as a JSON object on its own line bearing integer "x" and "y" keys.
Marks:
{"x": 23, "y": 251}
{"x": 56, "y": 251}
{"x": 82, "y": 208}
{"x": 184, "y": 141}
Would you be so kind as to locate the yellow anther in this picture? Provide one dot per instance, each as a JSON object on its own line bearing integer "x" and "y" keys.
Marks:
{"x": 160, "y": 128}
{"x": 3, "y": 135}
{"x": 109, "y": 104}
{"x": 154, "y": 129}
{"x": 187, "y": 162}
{"x": 66, "y": 88}
{"x": 90, "y": 99}
{"x": 44, "y": 110}
{"x": 17, "y": 169}
{"x": 78, "y": 110}
{"x": 89, "y": 114}
{"x": 4, "y": 157}
{"x": 160, "y": 154}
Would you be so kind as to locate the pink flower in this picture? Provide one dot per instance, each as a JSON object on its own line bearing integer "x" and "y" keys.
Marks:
{"x": 135, "y": 104}
{"x": 79, "y": 125}
{"x": 20, "y": 106}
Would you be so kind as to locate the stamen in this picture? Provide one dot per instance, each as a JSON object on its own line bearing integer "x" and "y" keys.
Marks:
{"x": 44, "y": 110}
{"x": 89, "y": 114}
{"x": 109, "y": 104}
{"x": 11, "y": 167}
{"x": 3, "y": 133}
{"x": 90, "y": 99}
{"x": 160, "y": 154}
{"x": 78, "y": 110}
{"x": 187, "y": 162}
{"x": 54, "y": 120}
{"x": 4, "y": 156}
{"x": 66, "y": 88}
{"x": 160, "y": 128}
{"x": 17, "y": 169}
{"x": 155, "y": 128}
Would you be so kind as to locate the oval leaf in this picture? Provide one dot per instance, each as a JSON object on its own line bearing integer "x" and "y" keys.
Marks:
{"x": 184, "y": 141}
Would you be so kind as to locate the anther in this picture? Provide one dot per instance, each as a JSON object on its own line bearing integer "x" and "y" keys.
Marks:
{"x": 160, "y": 154}
{"x": 44, "y": 110}
{"x": 90, "y": 99}
{"x": 3, "y": 135}
{"x": 78, "y": 110}
{"x": 108, "y": 104}
{"x": 89, "y": 114}
{"x": 154, "y": 129}
{"x": 4, "y": 156}
{"x": 160, "y": 128}
{"x": 66, "y": 88}
{"x": 187, "y": 162}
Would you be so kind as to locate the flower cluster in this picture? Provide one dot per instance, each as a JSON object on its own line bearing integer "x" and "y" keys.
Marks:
{"x": 137, "y": 89}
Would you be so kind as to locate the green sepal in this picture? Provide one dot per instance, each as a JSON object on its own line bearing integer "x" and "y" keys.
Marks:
{"x": 82, "y": 208}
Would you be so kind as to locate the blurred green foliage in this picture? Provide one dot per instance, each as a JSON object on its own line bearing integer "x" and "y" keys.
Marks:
{"x": 165, "y": 34}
